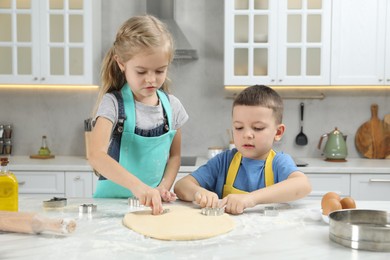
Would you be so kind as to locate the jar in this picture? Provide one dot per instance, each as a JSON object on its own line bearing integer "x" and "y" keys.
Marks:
{"x": 213, "y": 151}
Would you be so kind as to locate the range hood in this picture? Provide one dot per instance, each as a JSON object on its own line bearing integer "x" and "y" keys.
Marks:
{"x": 164, "y": 10}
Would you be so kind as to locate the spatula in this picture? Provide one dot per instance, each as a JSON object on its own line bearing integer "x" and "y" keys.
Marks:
{"x": 301, "y": 138}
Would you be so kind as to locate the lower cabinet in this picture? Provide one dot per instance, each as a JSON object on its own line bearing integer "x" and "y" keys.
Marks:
{"x": 370, "y": 186}
{"x": 324, "y": 182}
{"x": 55, "y": 183}
{"x": 78, "y": 184}
{"x": 41, "y": 183}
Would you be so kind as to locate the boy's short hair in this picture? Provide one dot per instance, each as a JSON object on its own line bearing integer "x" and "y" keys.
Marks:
{"x": 260, "y": 95}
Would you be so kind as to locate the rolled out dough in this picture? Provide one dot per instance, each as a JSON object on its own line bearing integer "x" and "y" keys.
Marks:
{"x": 180, "y": 223}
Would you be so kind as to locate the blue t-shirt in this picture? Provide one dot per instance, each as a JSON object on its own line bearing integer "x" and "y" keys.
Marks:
{"x": 250, "y": 177}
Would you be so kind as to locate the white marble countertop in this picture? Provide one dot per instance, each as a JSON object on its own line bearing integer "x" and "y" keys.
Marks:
{"x": 315, "y": 165}
{"x": 297, "y": 232}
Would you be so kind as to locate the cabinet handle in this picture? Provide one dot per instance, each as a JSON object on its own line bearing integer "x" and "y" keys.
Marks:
{"x": 272, "y": 80}
{"x": 21, "y": 183}
{"x": 77, "y": 178}
{"x": 35, "y": 78}
{"x": 380, "y": 80}
{"x": 379, "y": 180}
{"x": 280, "y": 80}
{"x": 388, "y": 80}
{"x": 43, "y": 78}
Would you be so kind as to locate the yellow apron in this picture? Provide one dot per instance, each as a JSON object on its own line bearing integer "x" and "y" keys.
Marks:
{"x": 233, "y": 171}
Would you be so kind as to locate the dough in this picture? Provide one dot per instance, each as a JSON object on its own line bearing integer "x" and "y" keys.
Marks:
{"x": 180, "y": 223}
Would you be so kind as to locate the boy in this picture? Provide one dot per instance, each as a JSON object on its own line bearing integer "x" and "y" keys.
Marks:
{"x": 252, "y": 173}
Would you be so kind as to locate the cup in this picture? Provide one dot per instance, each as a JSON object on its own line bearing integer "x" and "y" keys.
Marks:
{"x": 7, "y": 132}
{"x": 213, "y": 151}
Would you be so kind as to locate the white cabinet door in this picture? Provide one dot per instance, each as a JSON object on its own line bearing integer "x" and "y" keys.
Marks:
{"x": 52, "y": 183}
{"x": 277, "y": 42}
{"x": 325, "y": 182}
{"x": 358, "y": 42}
{"x": 49, "y": 42}
{"x": 78, "y": 184}
{"x": 370, "y": 186}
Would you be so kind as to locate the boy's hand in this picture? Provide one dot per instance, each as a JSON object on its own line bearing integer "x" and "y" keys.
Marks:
{"x": 236, "y": 203}
{"x": 206, "y": 199}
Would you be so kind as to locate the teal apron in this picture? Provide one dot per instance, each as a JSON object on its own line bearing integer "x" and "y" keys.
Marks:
{"x": 144, "y": 157}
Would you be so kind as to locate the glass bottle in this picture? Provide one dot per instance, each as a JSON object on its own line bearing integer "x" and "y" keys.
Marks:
{"x": 44, "y": 150}
{"x": 8, "y": 188}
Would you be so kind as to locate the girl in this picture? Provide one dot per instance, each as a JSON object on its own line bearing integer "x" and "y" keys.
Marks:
{"x": 136, "y": 139}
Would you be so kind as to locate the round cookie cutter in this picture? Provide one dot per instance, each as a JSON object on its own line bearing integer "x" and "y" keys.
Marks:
{"x": 361, "y": 229}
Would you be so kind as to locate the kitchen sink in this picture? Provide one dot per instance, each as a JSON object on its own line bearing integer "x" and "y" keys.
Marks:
{"x": 188, "y": 161}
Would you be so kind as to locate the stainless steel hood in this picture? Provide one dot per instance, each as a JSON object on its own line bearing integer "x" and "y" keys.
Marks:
{"x": 164, "y": 10}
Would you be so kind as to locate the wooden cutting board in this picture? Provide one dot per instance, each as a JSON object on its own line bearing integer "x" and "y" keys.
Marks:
{"x": 386, "y": 121}
{"x": 370, "y": 138}
{"x": 37, "y": 156}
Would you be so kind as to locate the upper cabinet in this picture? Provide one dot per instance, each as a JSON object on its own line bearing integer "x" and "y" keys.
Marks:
{"x": 284, "y": 42}
{"x": 50, "y": 41}
{"x": 361, "y": 42}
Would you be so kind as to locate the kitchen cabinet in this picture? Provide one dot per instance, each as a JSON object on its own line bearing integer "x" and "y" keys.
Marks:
{"x": 360, "y": 42}
{"x": 283, "y": 42}
{"x": 325, "y": 182}
{"x": 50, "y": 41}
{"x": 56, "y": 183}
{"x": 78, "y": 184}
{"x": 370, "y": 186}
{"x": 37, "y": 183}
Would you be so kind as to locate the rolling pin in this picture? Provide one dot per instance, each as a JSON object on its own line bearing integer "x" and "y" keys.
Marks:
{"x": 33, "y": 223}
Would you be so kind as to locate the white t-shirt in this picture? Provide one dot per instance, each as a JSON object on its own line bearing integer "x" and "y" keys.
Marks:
{"x": 147, "y": 117}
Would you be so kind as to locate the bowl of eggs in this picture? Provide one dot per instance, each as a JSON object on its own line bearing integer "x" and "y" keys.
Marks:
{"x": 332, "y": 201}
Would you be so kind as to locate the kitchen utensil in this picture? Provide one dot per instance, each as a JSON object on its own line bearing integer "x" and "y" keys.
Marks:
{"x": 134, "y": 203}
{"x": 301, "y": 138}
{"x": 55, "y": 203}
{"x": 360, "y": 229}
{"x": 212, "y": 211}
{"x": 370, "y": 137}
{"x": 269, "y": 211}
{"x": 33, "y": 223}
{"x": 335, "y": 147}
{"x": 386, "y": 122}
{"x": 87, "y": 208}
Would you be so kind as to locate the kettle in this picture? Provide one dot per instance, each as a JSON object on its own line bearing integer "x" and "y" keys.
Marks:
{"x": 335, "y": 147}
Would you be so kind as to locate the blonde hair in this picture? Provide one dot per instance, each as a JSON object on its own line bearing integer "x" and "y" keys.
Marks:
{"x": 137, "y": 34}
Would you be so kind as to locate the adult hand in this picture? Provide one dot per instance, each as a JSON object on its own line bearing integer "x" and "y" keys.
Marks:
{"x": 206, "y": 199}
{"x": 236, "y": 203}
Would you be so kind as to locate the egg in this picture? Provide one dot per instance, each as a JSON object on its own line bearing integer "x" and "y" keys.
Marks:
{"x": 348, "y": 203}
{"x": 331, "y": 205}
{"x": 329, "y": 195}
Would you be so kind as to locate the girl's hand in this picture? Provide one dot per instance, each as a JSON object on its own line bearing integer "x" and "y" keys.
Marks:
{"x": 166, "y": 195}
{"x": 236, "y": 203}
{"x": 206, "y": 199}
{"x": 151, "y": 198}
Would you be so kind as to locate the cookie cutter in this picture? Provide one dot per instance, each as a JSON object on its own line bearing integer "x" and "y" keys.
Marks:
{"x": 133, "y": 202}
{"x": 87, "y": 208}
{"x": 55, "y": 202}
{"x": 212, "y": 211}
{"x": 269, "y": 211}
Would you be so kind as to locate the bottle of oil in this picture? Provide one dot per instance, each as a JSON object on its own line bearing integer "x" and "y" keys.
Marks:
{"x": 44, "y": 150}
{"x": 8, "y": 188}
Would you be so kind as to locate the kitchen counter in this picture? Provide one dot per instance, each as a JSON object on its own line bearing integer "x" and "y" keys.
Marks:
{"x": 298, "y": 232}
{"x": 315, "y": 165}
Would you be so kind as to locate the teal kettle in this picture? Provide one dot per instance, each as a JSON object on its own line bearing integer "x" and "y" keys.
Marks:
{"x": 336, "y": 147}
